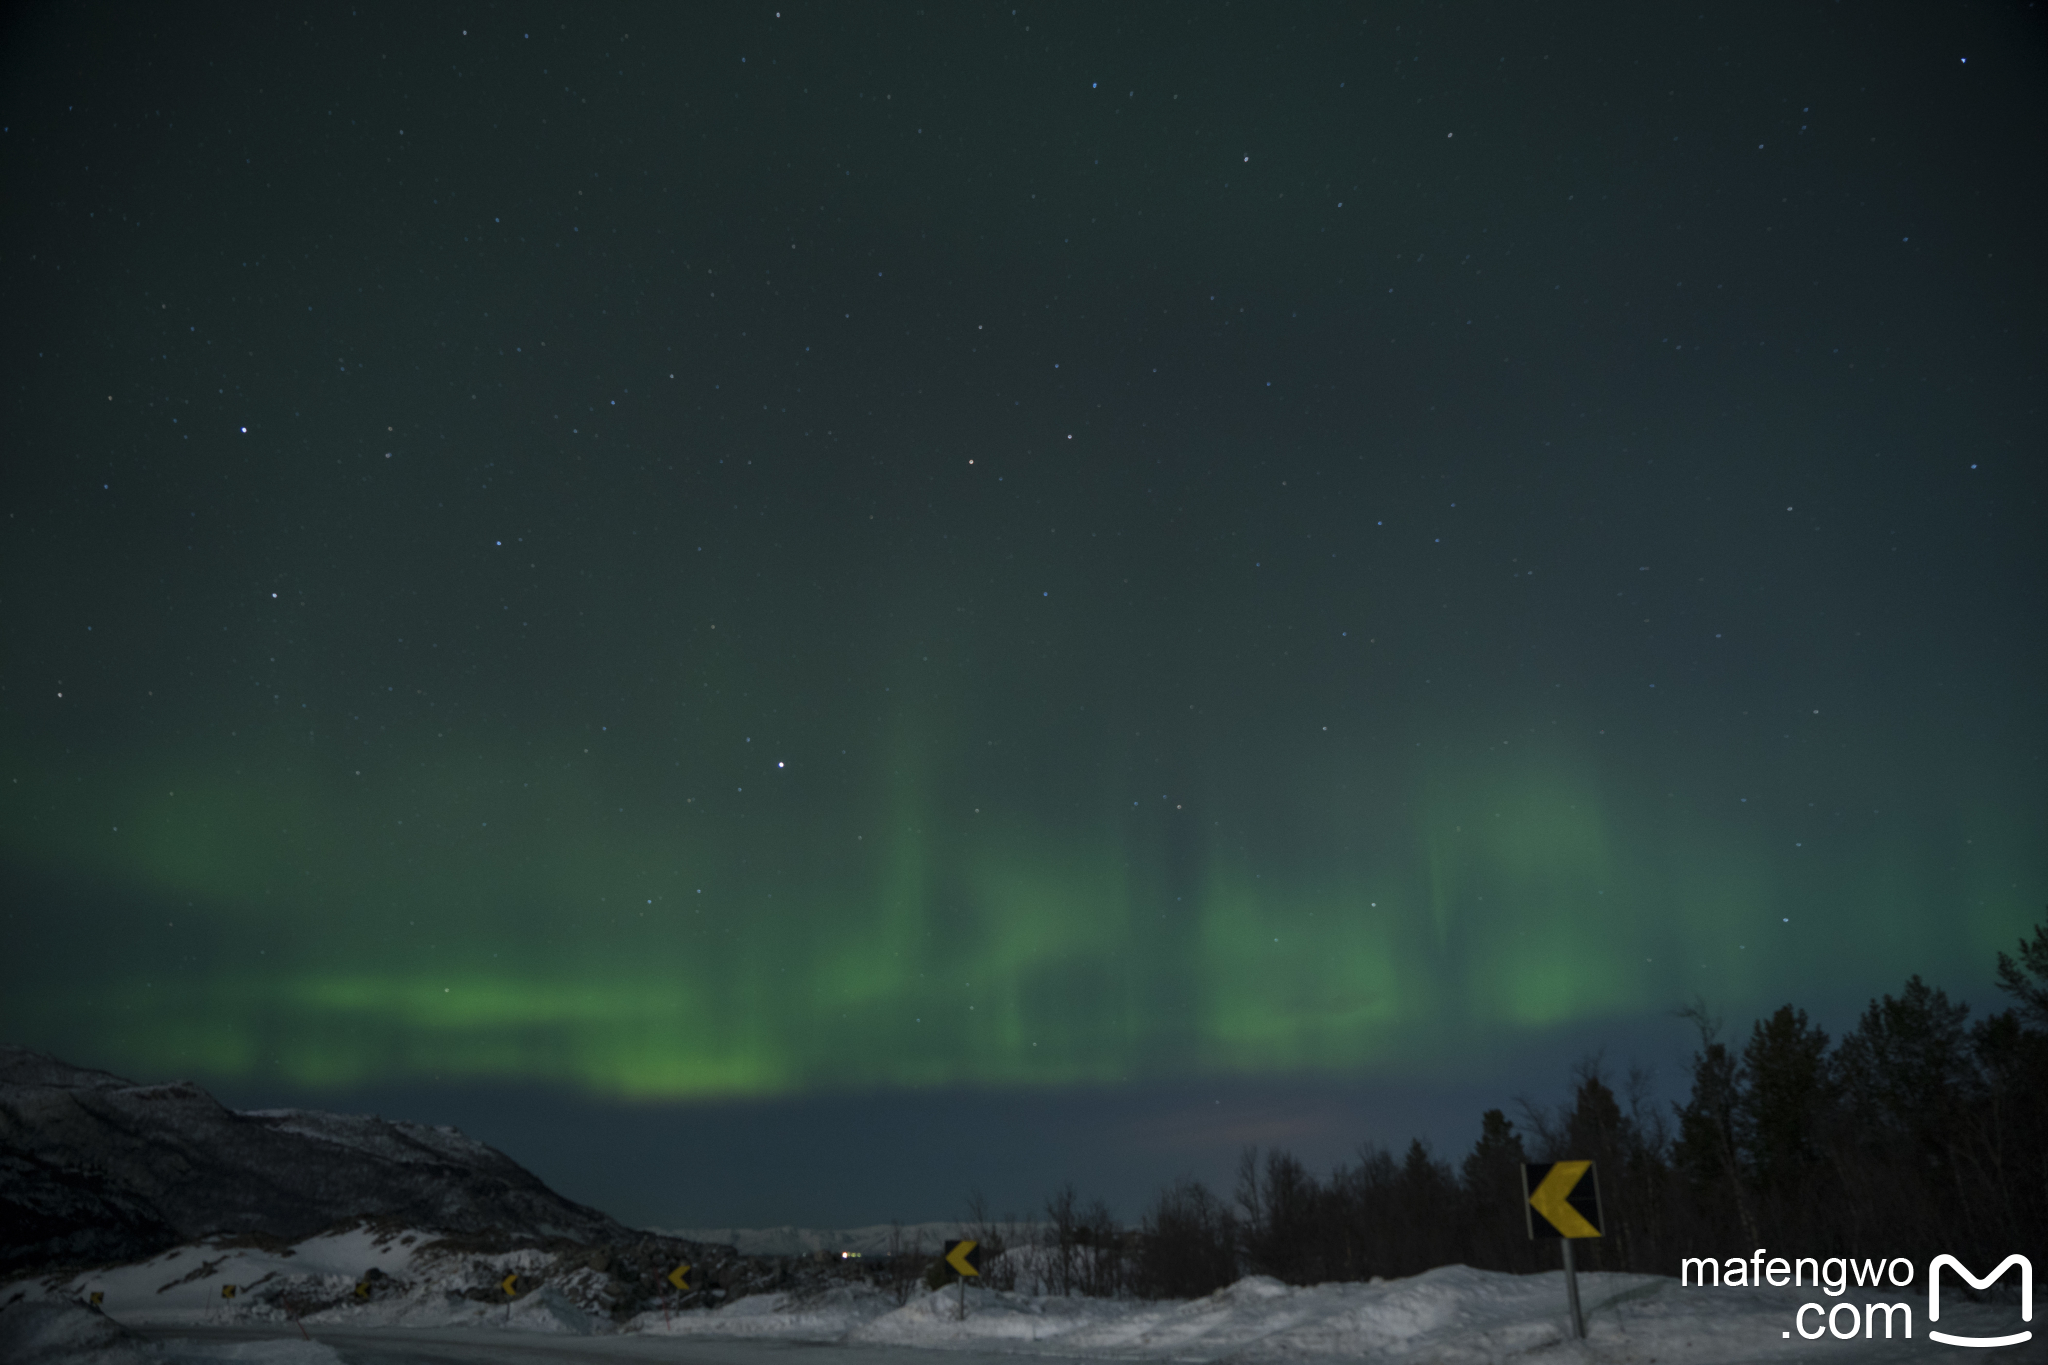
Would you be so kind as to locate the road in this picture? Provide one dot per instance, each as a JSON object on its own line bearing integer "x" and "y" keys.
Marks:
{"x": 471, "y": 1346}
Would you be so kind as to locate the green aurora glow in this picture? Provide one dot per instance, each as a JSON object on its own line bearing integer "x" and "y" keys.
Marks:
{"x": 462, "y": 924}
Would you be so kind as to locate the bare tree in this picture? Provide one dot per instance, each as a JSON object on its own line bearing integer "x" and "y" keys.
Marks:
{"x": 1062, "y": 1219}
{"x": 998, "y": 1271}
{"x": 905, "y": 1263}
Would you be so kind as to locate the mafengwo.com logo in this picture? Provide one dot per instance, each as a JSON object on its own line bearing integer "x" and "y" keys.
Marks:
{"x": 1836, "y": 1275}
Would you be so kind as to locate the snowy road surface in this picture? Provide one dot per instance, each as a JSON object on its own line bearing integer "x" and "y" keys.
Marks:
{"x": 460, "y": 1346}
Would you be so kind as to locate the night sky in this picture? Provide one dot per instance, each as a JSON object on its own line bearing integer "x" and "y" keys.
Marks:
{"x": 785, "y": 614}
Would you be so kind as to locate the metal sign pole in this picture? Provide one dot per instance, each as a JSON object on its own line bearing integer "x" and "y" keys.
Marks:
{"x": 964, "y": 1256}
{"x": 1559, "y": 1200}
{"x": 1571, "y": 1290}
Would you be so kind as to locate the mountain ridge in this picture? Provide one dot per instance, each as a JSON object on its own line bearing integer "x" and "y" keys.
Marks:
{"x": 99, "y": 1168}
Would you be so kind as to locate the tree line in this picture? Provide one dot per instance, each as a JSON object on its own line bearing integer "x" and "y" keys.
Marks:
{"x": 1917, "y": 1132}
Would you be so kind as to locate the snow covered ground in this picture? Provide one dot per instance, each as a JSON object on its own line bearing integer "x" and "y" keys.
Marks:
{"x": 297, "y": 1306}
{"x": 1452, "y": 1314}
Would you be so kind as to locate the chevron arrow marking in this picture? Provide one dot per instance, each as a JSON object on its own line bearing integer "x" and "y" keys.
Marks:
{"x": 1549, "y": 1199}
{"x": 963, "y": 1257}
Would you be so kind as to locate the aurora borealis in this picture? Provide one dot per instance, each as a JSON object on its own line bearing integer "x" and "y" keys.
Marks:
{"x": 826, "y": 556}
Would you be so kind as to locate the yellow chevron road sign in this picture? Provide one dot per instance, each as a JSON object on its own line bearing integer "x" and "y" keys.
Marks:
{"x": 680, "y": 1278}
{"x": 510, "y": 1284}
{"x": 1562, "y": 1199}
{"x": 964, "y": 1257}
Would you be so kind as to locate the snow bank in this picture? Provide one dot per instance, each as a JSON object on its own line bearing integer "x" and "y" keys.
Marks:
{"x": 1453, "y": 1315}
{"x": 1448, "y": 1314}
{"x": 416, "y": 1285}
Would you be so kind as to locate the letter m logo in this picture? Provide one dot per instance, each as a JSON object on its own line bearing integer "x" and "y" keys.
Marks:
{"x": 2026, "y": 1297}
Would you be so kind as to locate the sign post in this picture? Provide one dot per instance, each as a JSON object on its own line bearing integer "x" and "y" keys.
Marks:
{"x": 1561, "y": 1199}
{"x": 1571, "y": 1290}
{"x": 965, "y": 1258}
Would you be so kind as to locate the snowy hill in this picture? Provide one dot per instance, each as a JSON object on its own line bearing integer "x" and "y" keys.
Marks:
{"x": 877, "y": 1239}
{"x": 97, "y": 1168}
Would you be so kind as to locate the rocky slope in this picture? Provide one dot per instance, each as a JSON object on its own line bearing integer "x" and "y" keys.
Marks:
{"x": 94, "y": 1168}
